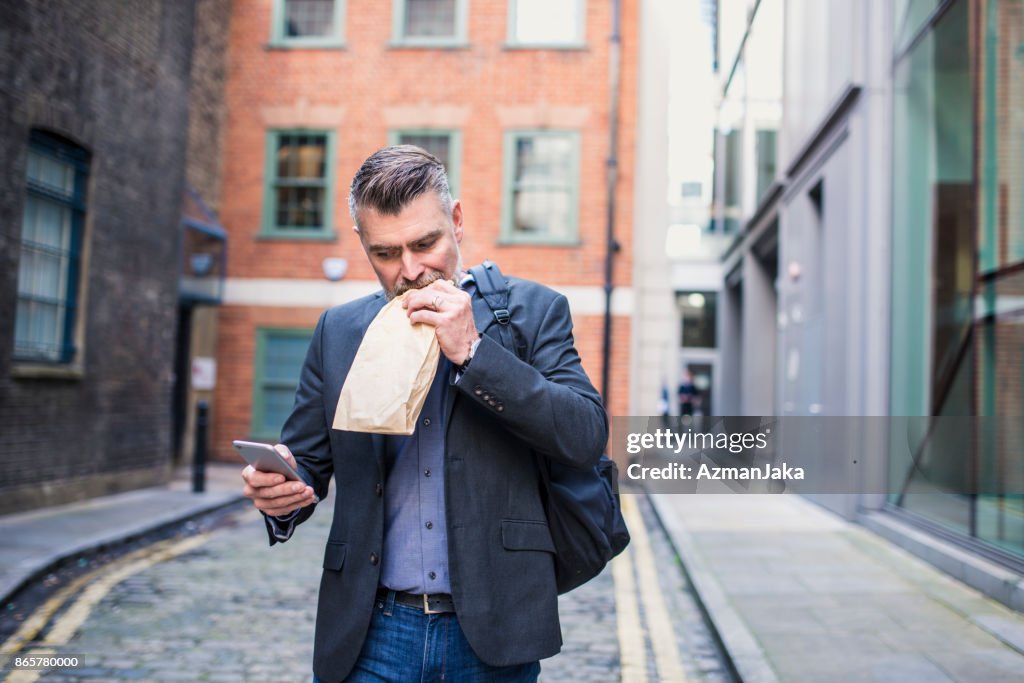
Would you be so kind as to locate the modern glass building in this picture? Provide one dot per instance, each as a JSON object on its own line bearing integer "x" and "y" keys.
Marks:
{"x": 957, "y": 318}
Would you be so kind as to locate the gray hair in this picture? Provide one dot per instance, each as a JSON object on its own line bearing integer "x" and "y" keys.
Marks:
{"x": 394, "y": 176}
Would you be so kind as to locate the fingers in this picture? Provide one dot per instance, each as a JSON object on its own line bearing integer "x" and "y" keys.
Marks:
{"x": 257, "y": 479}
{"x": 425, "y": 315}
{"x": 282, "y": 506}
{"x": 272, "y": 493}
{"x": 280, "y": 499}
{"x": 438, "y": 296}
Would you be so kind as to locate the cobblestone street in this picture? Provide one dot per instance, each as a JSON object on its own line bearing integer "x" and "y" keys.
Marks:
{"x": 225, "y": 607}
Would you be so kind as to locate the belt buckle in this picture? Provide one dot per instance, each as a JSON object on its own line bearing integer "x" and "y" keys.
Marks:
{"x": 426, "y": 606}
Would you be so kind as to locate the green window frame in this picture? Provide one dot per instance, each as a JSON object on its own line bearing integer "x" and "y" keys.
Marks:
{"x": 277, "y": 365}
{"x": 457, "y": 38}
{"x": 279, "y": 37}
{"x": 51, "y": 242}
{"x": 514, "y": 184}
{"x": 292, "y": 187}
{"x": 453, "y": 164}
{"x": 523, "y": 9}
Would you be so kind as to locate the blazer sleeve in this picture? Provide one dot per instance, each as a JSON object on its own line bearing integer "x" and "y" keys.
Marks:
{"x": 307, "y": 434}
{"x": 548, "y": 402}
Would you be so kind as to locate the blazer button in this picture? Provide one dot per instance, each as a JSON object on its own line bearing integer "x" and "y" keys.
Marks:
{"x": 500, "y": 407}
{"x": 374, "y": 559}
{"x": 379, "y": 489}
{"x": 478, "y": 390}
{"x": 486, "y": 397}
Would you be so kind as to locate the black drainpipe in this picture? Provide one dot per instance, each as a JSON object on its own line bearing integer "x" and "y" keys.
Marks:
{"x": 612, "y": 171}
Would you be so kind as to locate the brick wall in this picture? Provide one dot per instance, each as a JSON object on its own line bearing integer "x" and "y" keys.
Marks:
{"x": 113, "y": 78}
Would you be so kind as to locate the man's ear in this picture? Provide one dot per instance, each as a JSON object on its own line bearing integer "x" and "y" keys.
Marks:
{"x": 457, "y": 219}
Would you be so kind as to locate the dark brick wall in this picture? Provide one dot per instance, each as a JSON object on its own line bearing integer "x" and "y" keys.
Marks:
{"x": 114, "y": 78}
{"x": 206, "y": 106}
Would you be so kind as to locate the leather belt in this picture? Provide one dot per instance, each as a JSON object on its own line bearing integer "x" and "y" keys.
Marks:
{"x": 430, "y": 603}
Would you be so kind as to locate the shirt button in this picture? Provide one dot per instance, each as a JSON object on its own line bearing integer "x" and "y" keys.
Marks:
{"x": 374, "y": 559}
{"x": 426, "y": 473}
{"x": 426, "y": 422}
{"x": 429, "y": 525}
{"x": 379, "y": 489}
{"x": 432, "y": 575}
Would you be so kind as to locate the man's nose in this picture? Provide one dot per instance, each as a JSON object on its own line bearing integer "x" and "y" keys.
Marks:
{"x": 411, "y": 267}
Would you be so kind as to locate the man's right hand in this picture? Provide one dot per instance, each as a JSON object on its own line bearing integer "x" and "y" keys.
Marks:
{"x": 271, "y": 493}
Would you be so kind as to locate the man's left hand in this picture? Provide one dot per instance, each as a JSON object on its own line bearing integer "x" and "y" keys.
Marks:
{"x": 450, "y": 310}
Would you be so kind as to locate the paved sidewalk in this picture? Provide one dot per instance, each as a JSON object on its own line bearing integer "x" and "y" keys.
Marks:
{"x": 799, "y": 594}
{"x": 33, "y": 542}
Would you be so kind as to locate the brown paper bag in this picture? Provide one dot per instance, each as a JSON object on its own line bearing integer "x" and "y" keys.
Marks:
{"x": 390, "y": 376}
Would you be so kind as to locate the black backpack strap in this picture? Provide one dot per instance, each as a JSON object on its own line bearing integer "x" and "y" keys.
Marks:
{"x": 493, "y": 287}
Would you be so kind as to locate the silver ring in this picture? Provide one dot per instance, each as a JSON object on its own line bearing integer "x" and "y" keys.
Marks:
{"x": 437, "y": 302}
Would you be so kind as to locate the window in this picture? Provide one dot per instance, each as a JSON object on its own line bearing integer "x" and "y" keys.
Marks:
{"x": 698, "y": 314}
{"x": 547, "y": 23}
{"x": 298, "y": 199}
{"x": 51, "y": 239}
{"x": 446, "y": 145}
{"x": 279, "y": 357}
{"x": 308, "y": 23}
{"x": 541, "y": 186}
{"x": 430, "y": 22}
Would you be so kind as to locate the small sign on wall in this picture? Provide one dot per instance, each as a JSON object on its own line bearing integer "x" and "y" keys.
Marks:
{"x": 204, "y": 373}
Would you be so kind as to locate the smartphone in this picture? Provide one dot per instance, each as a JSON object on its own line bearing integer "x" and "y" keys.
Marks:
{"x": 265, "y": 458}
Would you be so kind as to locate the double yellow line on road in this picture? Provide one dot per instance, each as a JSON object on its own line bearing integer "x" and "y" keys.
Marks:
{"x": 632, "y": 653}
{"x": 90, "y": 588}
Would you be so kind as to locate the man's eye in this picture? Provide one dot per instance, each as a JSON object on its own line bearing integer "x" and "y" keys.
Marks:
{"x": 383, "y": 255}
{"x": 425, "y": 245}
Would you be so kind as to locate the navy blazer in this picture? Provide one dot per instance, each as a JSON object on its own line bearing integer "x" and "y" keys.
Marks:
{"x": 501, "y": 412}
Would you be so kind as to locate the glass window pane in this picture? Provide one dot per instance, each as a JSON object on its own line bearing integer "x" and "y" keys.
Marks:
{"x": 429, "y": 18}
{"x": 543, "y": 160}
{"x": 52, "y": 223}
{"x": 281, "y": 365}
{"x": 308, "y": 18}
{"x": 540, "y": 212}
{"x": 285, "y": 157}
{"x": 301, "y": 168}
{"x": 438, "y": 144}
{"x": 277, "y": 404}
{"x": 45, "y": 292}
{"x": 47, "y": 276}
{"x": 310, "y": 158}
{"x": 909, "y": 17}
{"x": 1001, "y": 239}
{"x": 547, "y": 21}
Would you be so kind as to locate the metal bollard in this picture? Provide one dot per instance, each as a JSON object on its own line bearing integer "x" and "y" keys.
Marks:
{"x": 199, "y": 456}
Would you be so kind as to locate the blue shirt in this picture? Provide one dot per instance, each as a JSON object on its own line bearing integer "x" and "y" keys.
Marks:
{"x": 415, "y": 556}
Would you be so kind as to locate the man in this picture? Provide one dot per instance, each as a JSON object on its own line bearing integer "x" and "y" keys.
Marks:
{"x": 439, "y": 562}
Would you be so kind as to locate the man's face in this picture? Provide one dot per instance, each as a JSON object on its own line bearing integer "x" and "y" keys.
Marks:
{"x": 414, "y": 248}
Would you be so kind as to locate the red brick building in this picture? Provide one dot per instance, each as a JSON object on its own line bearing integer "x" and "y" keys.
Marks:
{"x": 514, "y": 95}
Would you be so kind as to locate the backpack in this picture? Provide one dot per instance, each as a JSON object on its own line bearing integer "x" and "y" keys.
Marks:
{"x": 582, "y": 506}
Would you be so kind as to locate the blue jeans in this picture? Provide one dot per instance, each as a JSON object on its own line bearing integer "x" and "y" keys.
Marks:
{"x": 404, "y": 645}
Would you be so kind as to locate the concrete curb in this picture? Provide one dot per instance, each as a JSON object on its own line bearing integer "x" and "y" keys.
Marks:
{"x": 36, "y": 567}
{"x": 745, "y": 655}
